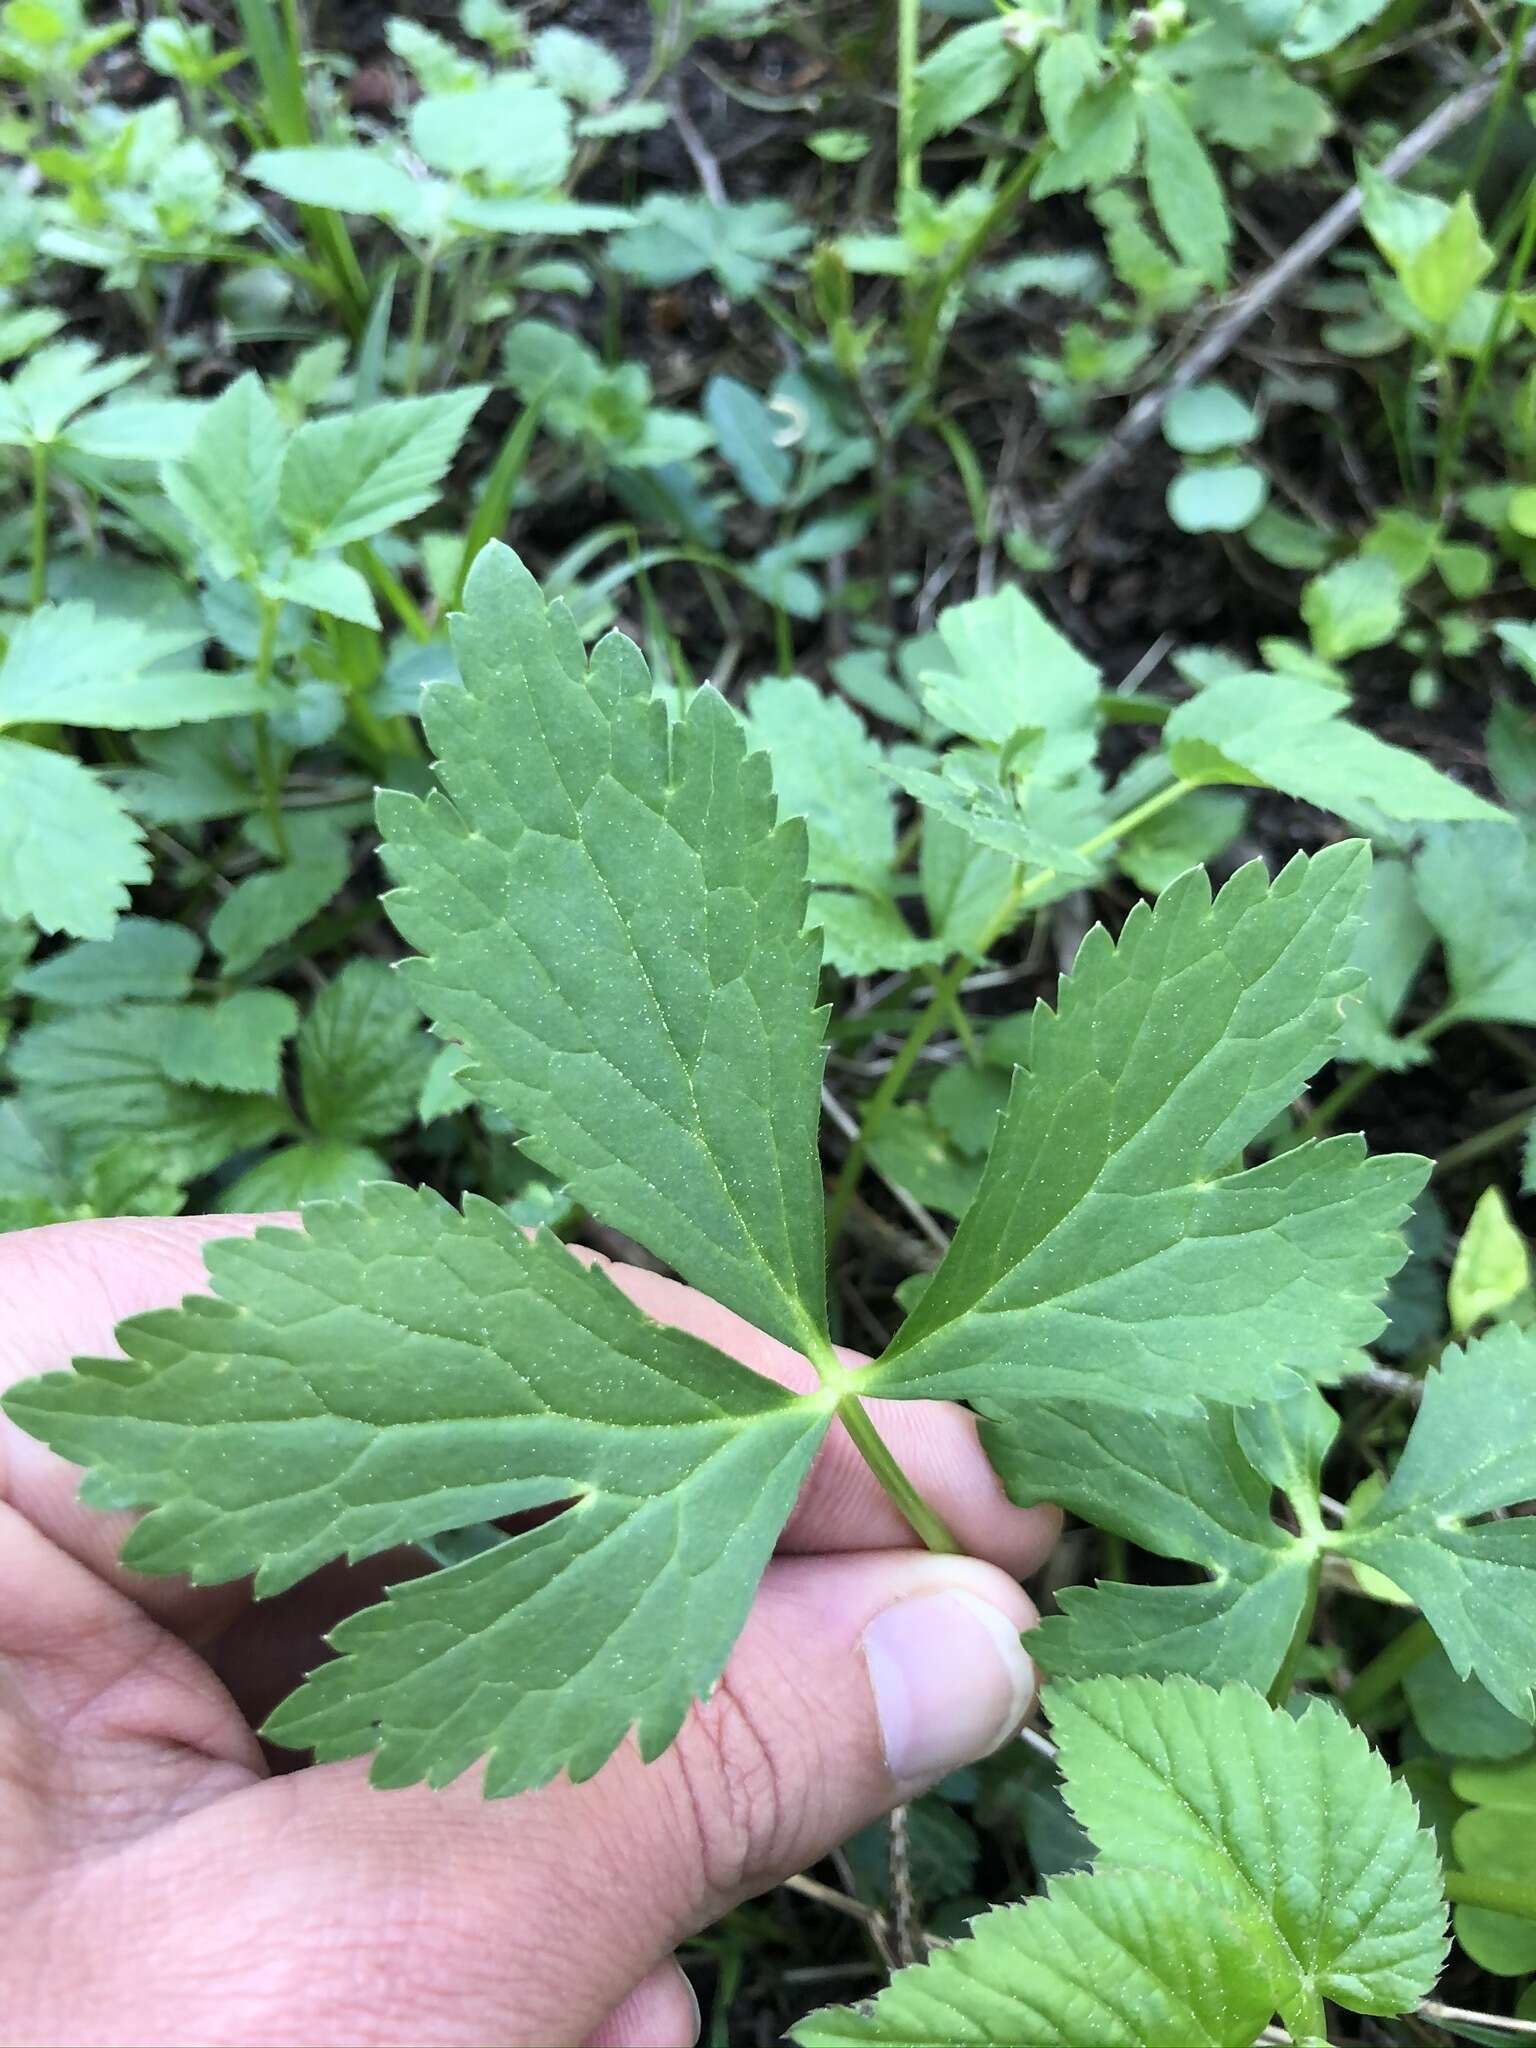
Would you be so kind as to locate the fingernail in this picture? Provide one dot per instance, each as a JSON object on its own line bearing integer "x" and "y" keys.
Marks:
{"x": 698, "y": 2016}
{"x": 951, "y": 1682}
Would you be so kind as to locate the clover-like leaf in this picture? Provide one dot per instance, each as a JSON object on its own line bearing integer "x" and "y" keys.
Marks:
{"x": 1116, "y": 1249}
{"x": 611, "y": 924}
{"x": 397, "y": 1369}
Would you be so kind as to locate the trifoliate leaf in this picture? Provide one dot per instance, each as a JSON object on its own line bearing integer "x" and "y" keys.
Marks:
{"x": 613, "y": 928}
{"x": 408, "y": 1369}
{"x": 1356, "y": 604}
{"x": 675, "y": 238}
{"x": 68, "y": 849}
{"x": 143, "y": 961}
{"x": 95, "y": 1076}
{"x": 1472, "y": 1449}
{"x": 1248, "y": 1863}
{"x": 1188, "y": 1487}
{"x": 67, "y": 664}
{"x": 1492, "y": 1266}
{"x": 1129, "y": 1959}
{"x": 224, "y": 484}
{"x": 1292, "y": 735}
{"x": 511, "y": 131}
{"x": 1391, "y": 947}
{"x": 236, "y": 1044}
{"x": 1477, "y": 886}
{"x": 363, "y": 1055}
{"x": 828, "y": 770}
{"x": 1295, "y": 1825}
{"x": 53, "y": 384}
{"x": 1114, "y": 1250}
{"x": 354, "y": 474}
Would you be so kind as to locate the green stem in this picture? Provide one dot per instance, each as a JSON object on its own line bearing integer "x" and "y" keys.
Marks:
{"x": 421, "y": 308}
{"x": 38, "y": 588}
{"x": 1360, "y": 1078}
{"x": 945, "y": 991}
{"x": 1385, "y": 1672}
{"x": 1481, "y": 1143}
{"x": 1285, "y": 1677}
{"x": 1498, "y": 106}
{"x": 1493, "y": 341}
{"x": 394, "y": 593}
{"x": 925, "y": 348}
{"x": 908, "y": 149}
{"x": 1499, "y": 1894}
{"x": 266, "y": 765}
{"x": 872, "y": 1449}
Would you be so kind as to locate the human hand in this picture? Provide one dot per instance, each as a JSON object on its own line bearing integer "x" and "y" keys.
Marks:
{"x": 158, "y": 1883}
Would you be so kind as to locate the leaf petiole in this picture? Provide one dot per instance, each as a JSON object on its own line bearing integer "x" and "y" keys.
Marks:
{"x": 872, "y": 1448}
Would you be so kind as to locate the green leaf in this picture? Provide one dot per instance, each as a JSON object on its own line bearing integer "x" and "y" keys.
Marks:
{"x": 612, "y": 927}
{"x": 267, "y": 908}
{"x": 1130, "y": 1959}
{"x": 1197, "y": 829}
{"x": 1511, "y": 743}
{"x": 746, "y": 432}
{"x": 1477, "y": 886}
{"x": 1472, "y": 1449}
{"x": 966, "y": 72}
{"x": 143, "y": 961}
{"x": 1113, "y": 1252}
{"x": 348, "y": 178}
{"x": 1182, "y": 184}
{"x": 868, "y": 934}
{"x": 512, "y": 132}
{"x": 909, "y": 1151}
{"x": 1008, "y": 668}
{"x": 578, "y": 67}
{"x": 675, "y": 238}
{"x": 1442, "y": 272}
{"x": 69, "y": 665}
{"x": 363, "y": 1055}
{"x": 1206, "y": 418}
{"x": 324, "y": 583}
{"x": 1460, "y": 1717}
{"x": 1492, "y": 1267}
{"x": 1295, "y": 1823}
{"x": 53, "y": 384}
{"x": 68, "y": 850}
{"x": 313, "y": 1171}
{"x": 1197, "y": 1488}
{"x": 488, "y": 1357}
{"x": 225, "y": 482}
{"x": 828, "y": 770}
{"x": 1284, "y": 733}
{"x": 1393, "y": 943}
{"x": 356, "y": 474}
{"x": 1248, "y": 1863}
{"x": 1097, "y": 144}
{"x": 95, "y": 1075}
{"x": 1219, "y": 497}
{"x": 236, "y": 1044}
{"x": 1356, "y": 604}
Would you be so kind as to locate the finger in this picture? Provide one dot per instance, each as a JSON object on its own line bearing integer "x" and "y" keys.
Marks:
{"x": 663, "y": 2012}
{"x": 858, "y": 1680}
{"x": 843, "y": 1506}
{"x": 63, "y": 1289}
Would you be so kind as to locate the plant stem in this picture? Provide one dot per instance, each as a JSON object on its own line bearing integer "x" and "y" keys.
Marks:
{"x": 421, "y": 308}
{"x": 1285, "y": 1677}
{"x": 1385, "y": 1672}
{"x": 1499, "y": 1894}
{"x": 1519, "y": 264}
{"x": 38, "y": 587}
{"x": 1358, "y": 1079}
{"x": 1483, "y": 1142}
{"x": 945, "y": 990}
{"x": 908, "y": 149}
{"x": 872, "y": 1448}
{"x": 266, "y": 766}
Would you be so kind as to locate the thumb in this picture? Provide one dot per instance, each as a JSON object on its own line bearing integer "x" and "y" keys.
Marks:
{"x": 860, "y": 1680}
